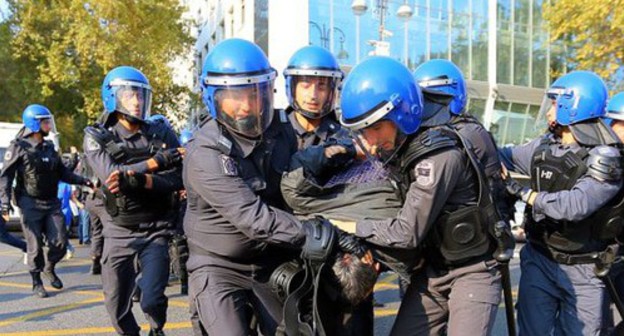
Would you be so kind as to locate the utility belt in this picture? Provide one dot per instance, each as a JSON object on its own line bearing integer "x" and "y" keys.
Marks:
{"x": 602, "y": 259}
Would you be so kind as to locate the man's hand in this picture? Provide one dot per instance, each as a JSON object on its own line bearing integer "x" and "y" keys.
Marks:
{"x": 169, "y": 157}
{"x": 516, "y": 189}
{"x": 362, "y": 147}
{"x": 6, "y": 210}
{"x": 124, "y": 182}
{"x": 349, "y": 243}
{"x": 334, "y": 150}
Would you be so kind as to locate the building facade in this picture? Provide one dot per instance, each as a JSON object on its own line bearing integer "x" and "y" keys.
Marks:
{"x": 501, "y": 46}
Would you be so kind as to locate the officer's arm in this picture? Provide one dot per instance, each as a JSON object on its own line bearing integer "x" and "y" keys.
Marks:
{"x": 229, "y": 195}
{"x": 103, "y": 164}
{"x": 518, "y": 158}
{"x": 12, "y": 158}
{"x": 165, "y": 182}
{"x": 424, "y": 200}
{"x": 69, "y": 177}
{"x": 589, "y": 194}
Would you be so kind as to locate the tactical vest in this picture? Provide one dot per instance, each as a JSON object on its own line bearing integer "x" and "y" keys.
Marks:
{"x": 41, "y": 170}
{"x": 552, "y": 174}
{"x": 132, "y": 210}
{"x": 465, "y": 233}
{"x": 262, "y": 170}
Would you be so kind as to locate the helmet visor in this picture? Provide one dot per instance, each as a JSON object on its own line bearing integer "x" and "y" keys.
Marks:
{"x": 245, "y": 109}
{"x": 133, "y": 100}
{"x": 314, "y": 96}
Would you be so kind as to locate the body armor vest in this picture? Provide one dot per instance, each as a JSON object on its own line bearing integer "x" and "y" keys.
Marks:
{"x": 550, "y": 173}
{"x": 462, "y": 234}
{"x": 132, "y": 209}
{"x": 41, "y": 170}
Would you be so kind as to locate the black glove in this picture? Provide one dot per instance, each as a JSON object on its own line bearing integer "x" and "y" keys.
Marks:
{"x": 168, "y": 158}
{"x": 89, "y": 184}
{"x": 516, "y": 189}
{"x": 341, "y": 159}
{"x": 349, "y": 243}
{"x": 130, "y": 183}
{"x": 320, "y": 239}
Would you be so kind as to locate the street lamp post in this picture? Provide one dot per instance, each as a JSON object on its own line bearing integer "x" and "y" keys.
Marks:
{"x": 358, "y": 7}
{"x": 405, "y": 14}
{"x": 326, "y": 33}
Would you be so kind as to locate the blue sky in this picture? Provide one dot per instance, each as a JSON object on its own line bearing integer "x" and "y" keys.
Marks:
{"x": 3, "y": 9}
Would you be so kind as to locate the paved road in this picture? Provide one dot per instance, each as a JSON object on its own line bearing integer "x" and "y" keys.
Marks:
{"x": 78, "y": 309}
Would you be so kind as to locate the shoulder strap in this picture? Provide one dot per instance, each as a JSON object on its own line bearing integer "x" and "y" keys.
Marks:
{"x": 431, "y": 140}
{"x": 107, "y": 140}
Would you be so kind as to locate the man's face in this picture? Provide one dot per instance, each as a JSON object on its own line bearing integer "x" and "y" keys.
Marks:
{"x": 133, "y": 101}
{"x": 382, "y": 135}
{"x": 46, "y": 126}
{"x": 551, "y": 115}
{"x": 312, "y": 92}
{"x": 618, "y": 128}
{"x": 240, "y": 103}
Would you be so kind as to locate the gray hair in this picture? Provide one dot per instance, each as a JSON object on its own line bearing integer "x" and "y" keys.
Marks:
{"x": 356, "y": 278}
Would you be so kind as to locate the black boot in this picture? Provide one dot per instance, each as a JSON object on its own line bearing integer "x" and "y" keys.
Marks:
{"x": 156, "y": 332}
{"x": 96, "y": 266}
{"x": 38, "y": 285}
{"x": 54, "y": 279}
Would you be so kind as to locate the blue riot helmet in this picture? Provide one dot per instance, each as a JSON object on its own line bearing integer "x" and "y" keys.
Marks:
{"x": 381, "y": 88}
{"x": 237, "y": 87}
{"x": 126, "y": 90}
{"x": 444, "y": 76}
{"x": 579, "y": 96}
{"x": 159, "y": 118}
{"x": 33, "y": 115}
{"x": 312, "y": 81}
{"x": 615, "y": 107}
{"x": 185, "y": 136}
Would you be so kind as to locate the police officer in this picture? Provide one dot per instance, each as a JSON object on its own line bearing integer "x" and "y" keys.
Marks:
{"x": 443, "y": 219}
{"x": 313, "y": 80}
{"x": 139, "y": 163}
{"x": 37, "y": 166}
{"x": 575, "y": 175}
{"x": 444, "y": 77}
{"x": 234, "y": 223}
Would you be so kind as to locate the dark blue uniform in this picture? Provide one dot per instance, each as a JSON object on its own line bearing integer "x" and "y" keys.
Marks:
{"x": 236, "y": 227}
{"x": 37, "y": 167}
{"x": 554, "y": 294}
{"x": 141, "y": 230}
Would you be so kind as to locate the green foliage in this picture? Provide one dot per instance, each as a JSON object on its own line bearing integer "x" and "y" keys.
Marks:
{"x": 593, "y": 33}
{"x": 59, "y": 51}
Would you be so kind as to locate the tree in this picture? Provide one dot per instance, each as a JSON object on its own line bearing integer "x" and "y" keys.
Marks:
{"x": 593, "y": 33}
{"x": 68, "y": 47}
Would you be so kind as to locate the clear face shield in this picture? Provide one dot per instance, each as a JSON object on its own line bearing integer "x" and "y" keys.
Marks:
{"x": 53, "y": 134}
{"x": 245, "y": 109}
{"x": 133, "y": 99}
{"x": 547, "y": 116}
{"x": 314, "y": 92}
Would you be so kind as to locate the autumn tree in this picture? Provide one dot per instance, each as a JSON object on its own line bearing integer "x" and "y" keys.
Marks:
{"x": 62, "y": 50}
{"x": 593, "y": 33}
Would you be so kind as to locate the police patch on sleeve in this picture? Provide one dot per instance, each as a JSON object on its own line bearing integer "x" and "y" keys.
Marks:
{"x": 92, "y": 145}
{"x": 8, "y": 155}
{"x": 424, "y": 173}
{"x": 228, "y": 165}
